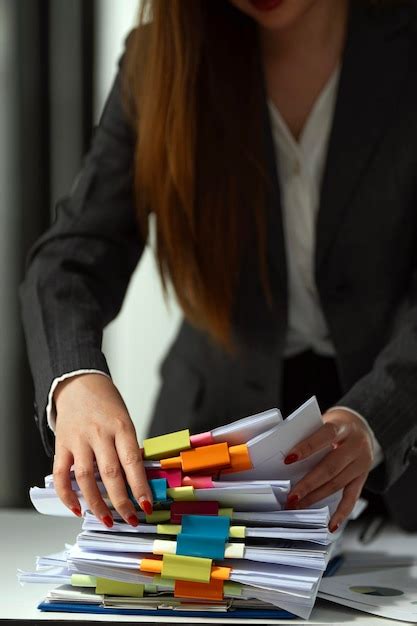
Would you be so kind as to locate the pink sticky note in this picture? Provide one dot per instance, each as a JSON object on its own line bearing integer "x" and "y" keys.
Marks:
{"x": 173, "y": 476}
{"x": 203, "y": 439}
{"x": 198, "y": 482}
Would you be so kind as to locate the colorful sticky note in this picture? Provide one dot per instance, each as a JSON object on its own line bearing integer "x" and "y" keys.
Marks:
{"x": 158, "y": 516}
{"x": 205, "y": 458}
{"x": 153, "y": 566}
{"x": 108, "y": 587}
{"x": 83, "y": 580}
{"x": 226, "y": 511}
{"x": 173, "y": 476}
{"x": 186, "y": 568}
{"x": 166, "y": 445}
{"x": 178, "y": 509}
{"x": 163, "y": 582}
{"x": 219, "y": 572}
{"x": 198, "y": 481}
{"x": 240, "y": 460}
{"x": 204, "y": 591}
{"x": 159, "y": 489}
{"x": 202, "y": 439}
{"x": 206, "y": 526}
{"x": 237, "y": 532}
{"x": 168, "y": 529}
{"x": 232, "y": 589}
{"x": 181, "y": 493}
{"x": 196, "y": 545}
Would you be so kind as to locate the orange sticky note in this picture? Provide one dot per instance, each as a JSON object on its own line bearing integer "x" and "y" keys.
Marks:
{"x": 240, "y": 460}
{"x": 153, "y": 566}
{"x": 203, "y": 591}
{"x": 211, "y": 457}
{"x": 206, "y": 457}
{"x": 220, "y": 573}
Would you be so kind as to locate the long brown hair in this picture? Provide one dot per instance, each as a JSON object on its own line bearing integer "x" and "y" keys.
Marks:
{"x": 193, "y": 80}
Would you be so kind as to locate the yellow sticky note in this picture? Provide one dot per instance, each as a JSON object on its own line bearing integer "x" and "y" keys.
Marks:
{"x": 158, "y": 516}
{"x": 238, "y": 532}
{"x": 166, "y": 445}
{"x": 83, "y": 580}
{"x": 163, "y": 582}
{"x": 108, "y": 587}
{"x": 181, "y": 493}
{"x": 232, "y": 589}
{"x": 191, "y": 568}
{"x": 168, "y": 529}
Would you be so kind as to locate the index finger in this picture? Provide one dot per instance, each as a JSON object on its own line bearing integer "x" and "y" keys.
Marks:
{"x": 327, "y": 436}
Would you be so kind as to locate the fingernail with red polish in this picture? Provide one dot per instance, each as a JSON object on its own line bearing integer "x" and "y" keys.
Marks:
{"x": 133, "y": 520}
{"x": 107, "y": 520}
{"x": 146, "y": 506}
{"x": 334, "y": 527}
{"x": 291, "y": 458}
{"x": 76, "y": 510}
{"x": 292, "y": 501}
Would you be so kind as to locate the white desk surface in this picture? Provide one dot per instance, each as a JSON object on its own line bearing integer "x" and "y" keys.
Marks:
{"x": 26, "y": 534}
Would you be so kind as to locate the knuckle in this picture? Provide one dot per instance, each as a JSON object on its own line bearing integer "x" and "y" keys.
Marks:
{"x": 83, "y": 473}
{"x": 122, "y": 425}
{"x": 110, "y": 471}
{"x": 97, "y": 430}
{"x": 121, "y": 504}
{"x": 95, "y": 503}
{"x": 60, "y": 472}
{"x": 132, "y": 457}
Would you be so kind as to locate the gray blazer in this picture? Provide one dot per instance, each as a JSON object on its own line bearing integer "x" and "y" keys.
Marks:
{"x": 365, "y": 267}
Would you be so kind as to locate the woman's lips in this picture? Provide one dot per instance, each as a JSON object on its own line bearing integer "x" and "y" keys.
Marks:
{"x": 265, "y": 5}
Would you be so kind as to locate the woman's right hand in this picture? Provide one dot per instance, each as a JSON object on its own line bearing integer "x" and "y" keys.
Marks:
{"x": 94, "y": 426}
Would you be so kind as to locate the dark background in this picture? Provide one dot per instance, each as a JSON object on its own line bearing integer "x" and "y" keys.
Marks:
{"x": 46, "y": 95}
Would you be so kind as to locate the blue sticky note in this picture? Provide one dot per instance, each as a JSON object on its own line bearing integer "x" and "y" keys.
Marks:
{"x": 206, "y": 547}
{"x": 159, "y": 488}
{"x": 206, "y": 526}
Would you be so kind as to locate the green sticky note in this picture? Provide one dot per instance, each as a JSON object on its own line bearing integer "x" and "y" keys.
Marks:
{"x": 159, "y": 581}
{"x": 164, "y": 446}
{"x": 151, "y": 588}
{"x": 232, "y": 589}
{"x": 226, "y": 512}
{"x": 83, "y": 580}
{"x": 238, "y": 532}
{"x": 181, "y": 493}
{"x": 168, "y": 529}
{"x": 191, "y": 568}
{"x": 158, "y": 516}
{"x": 108, "y": 587}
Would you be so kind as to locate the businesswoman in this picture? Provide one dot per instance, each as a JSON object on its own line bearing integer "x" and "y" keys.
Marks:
{"x": 275, "y": 142}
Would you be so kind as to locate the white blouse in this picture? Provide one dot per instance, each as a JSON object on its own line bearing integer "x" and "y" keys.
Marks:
{"x": 300, "y": 169}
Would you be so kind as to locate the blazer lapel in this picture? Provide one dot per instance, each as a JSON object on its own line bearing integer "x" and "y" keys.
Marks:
{"x": 373, "y": 69}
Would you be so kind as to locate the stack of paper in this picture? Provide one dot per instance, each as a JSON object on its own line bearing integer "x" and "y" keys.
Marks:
{"x": 219, "y": 537}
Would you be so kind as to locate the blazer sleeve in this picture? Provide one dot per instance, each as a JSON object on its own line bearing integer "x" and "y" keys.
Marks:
{"x": 79, "y": 270}
{"x": 387, "y": 396}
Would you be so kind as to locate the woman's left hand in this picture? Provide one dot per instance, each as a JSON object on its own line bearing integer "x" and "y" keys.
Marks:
{"x": 345, "y": 467}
